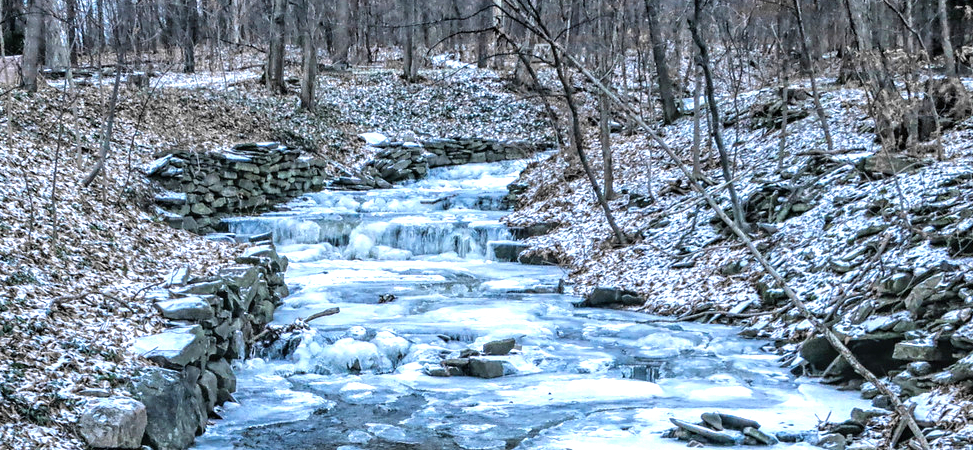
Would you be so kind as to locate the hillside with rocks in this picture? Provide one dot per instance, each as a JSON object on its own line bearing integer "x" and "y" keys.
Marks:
{"x": 877, "y": 244}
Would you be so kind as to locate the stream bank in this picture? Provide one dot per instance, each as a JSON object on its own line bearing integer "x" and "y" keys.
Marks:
{"x": 441, "y": 344}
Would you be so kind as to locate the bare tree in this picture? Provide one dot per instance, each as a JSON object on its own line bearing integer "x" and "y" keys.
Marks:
{"x": 949, "y": 58}
{"x": 670, "y": 112}
{"x": 274, "y": 76}
{"x": 408, "y": 40}
{"x": 309, "y": 53}
{"x": 33, "y": 40}
{"x": 704, "y": 63}
{"x": 818, "y": 108}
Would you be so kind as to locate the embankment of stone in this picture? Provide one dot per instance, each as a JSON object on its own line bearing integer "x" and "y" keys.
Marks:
{"x": 202, "y": 188}
{"x": 212, "y": 321}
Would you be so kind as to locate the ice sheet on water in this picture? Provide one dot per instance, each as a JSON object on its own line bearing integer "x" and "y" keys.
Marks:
{"x": 264, "y": 398}
{"x": 559, "y": 389}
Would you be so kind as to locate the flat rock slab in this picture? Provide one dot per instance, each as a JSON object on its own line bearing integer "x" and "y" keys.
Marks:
{"x": 193, "y": 308}
{"x": 732, "y": 422}
{"x": 499, "y": 348}
{"x": 918, "y": 350}
{"x": 715, "y": 437}
{"x": 173, "y": 348}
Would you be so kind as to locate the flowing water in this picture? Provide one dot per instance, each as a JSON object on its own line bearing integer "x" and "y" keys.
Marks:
{"x": 579, "y": 378}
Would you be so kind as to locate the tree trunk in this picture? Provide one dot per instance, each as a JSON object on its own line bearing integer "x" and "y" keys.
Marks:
{"x": 715, "y": 115}
{"x": 309, "y": 56}
{"x": 408, "y": 38}
{"x": 482, "y": 38}
{"x": 189, "y": 36}
{"x": 949, "y": 58}
{"x": 343, "y": 33}
{"x": 71, "y": 19}
{"x": 670, "y": 112}
{"x": 275, "y": 57}
{"x": 11, "y": 30}
{"x": 697, "y": 131}
{"x": 236, "y": 10}
{"x": 604, "y": 133}
{"x": 33, "y": 40}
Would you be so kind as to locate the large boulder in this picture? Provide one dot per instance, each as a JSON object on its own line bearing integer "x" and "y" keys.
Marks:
{"x": 170, "y": 406}
{"x": 507, "y": 251}
{"x": 606, "y": 296}
{"x": 115, "y": 422}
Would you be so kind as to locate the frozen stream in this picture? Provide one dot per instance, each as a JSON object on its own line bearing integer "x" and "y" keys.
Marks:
{"x": 579, "y": 378}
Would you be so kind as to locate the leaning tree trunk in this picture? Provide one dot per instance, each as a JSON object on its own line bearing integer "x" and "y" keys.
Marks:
{"x": 577, "y": 142}
{"x": 715, "y": 115}
{"x": 670, "y": 112}
{"x": 33, "y": 39}
{"x": 109, "y": 127}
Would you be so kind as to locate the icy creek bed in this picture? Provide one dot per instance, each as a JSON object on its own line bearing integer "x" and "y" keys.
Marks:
{"x": 578, "y": 378}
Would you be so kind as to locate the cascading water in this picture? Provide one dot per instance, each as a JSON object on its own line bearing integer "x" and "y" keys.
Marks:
{"x": 578, "y": 378}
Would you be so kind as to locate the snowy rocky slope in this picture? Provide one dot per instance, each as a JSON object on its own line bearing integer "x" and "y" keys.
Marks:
{"x": 878, "y": 244}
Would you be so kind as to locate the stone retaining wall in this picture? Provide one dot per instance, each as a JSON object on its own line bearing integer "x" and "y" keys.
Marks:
{"x": 205, "y": 187}
{"x": 401, "y": 161}
{"x": 213, "y": 321}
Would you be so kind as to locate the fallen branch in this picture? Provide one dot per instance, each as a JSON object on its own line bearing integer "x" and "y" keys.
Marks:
{"x": 700, "y": 315}
{"x": 272, "y": 333}
{"x": 325, "y": 313}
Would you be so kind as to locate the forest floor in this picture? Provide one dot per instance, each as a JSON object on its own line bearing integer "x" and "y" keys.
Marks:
{"x": 75, "y": 260}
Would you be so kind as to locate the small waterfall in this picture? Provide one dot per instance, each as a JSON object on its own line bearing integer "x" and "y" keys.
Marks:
{"x": 454, "y": 212}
